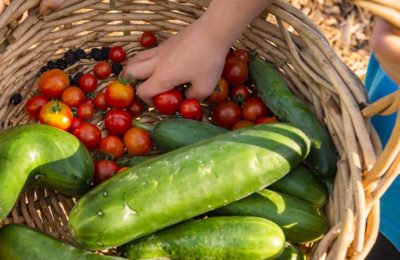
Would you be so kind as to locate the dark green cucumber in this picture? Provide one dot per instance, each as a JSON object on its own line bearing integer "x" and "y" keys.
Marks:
{"x": 301, "y": 184}
{"x": 291, "y": 253}
{"x": 213, "y": 238}
{"x": 176, "y": 133}
{"x": 132, "y": 161}
{"x": 289, "y": 108}
{"x": 185, "y": 183}
{"x": 19, "y": 242}
{"x": 299, "y": 220}
{"x": 44, "y": 156}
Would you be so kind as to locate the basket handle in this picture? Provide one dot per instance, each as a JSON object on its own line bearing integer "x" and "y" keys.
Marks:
{"x": 386, "y": 9}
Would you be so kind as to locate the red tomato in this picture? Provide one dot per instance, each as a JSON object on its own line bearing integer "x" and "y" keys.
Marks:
{"x": 220, "y": 92}
{"x": 88, "y": 83}
{"x": 235, "y": 71}
{"x": 137, "y": 141}
{"x": 123, "y": 169}
{"x": 85, "y": 111}
{"x": 117, "y": 122}
{"x": 148, "y": 39}
{"x": 100, "y": 101}
{"x": 73, "y": 97}
{"x": 75, "y": 123}
{"x": 88, "y": 134}
{"x": 117, "y": 54}
{"x": 104, "y": 170}
{"x": 136, "y": 108}
{"x": 266, "y": 120}
{"x": 191, "y": 109}
{"x": 89, "y": 101}
{"x": 228, "y": 54}
{"x": 52, "y": 83}
{"x": 113, "y": 146}
{"x": 254, "y": 109}
{"x": 241, "y": 54}
{"x": 56, "y": 114}
{"x": 34, "y": 105}
{"x": 242, "y": 124}
{"x": 240, "y": 93}
{"x": 168, "y": 102}
{"x": 119, "y": 95}
{"x": 102, "y": 70}
{"x": 226, "y": 114}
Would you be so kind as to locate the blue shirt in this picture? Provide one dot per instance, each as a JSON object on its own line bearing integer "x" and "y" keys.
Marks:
{"x": 378, "y": 85}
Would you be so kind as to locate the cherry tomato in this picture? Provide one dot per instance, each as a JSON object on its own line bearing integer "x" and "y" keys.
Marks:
{"x": 168, "y": 102}
{"x": 117, "y": 122}
{"x": 113, "y": 146}
{"x": 104, "y": 170}
{"x": 56, "y": 114}
{"x": 75, "y": 123}
{"x": 73, "y": 97}
{"x": 220, "y": 92}
{"x": 100, "y": 101}
{"x": 137, "y": 141}
{"x": 240, "y": 94}
{"x": 148, "y": 39}
{"x": 34, "y": 105}
{"x": 52, "y": 83}
{"x": 242, "y": 124}
{"x": 226, "y": 114}
{"x": 241, "y": 54}
{"x": 123, "y": 169}
{"x": 88, "y": 83}
{"x": 136, "y": 108}
{"x": 235, "y": 71}
{"x": 85, "y": 111}
{"x": 254, "y": 109}
{"x": 266, "y": 120}
{"x": 228, "y": 54}
{"x": 89, "y": 101}
{"x": 119, "y": 95}
{"x": 102, "y": 70}
{"x": 191, "y": 109}
{"x": 117, "y": 54}
{"x": 88, "y": 134}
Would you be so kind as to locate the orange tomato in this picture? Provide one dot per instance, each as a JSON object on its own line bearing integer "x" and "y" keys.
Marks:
{"x": 242, "y": 124}
{"x": 266, "y": 120}
{"x": 137, "y": 141}
{"x": 220, "y": 92}
{"x": 73, "y": 97}
{"x": 56, "y": 114}
{"x": 119, "y": 95}
{"x": 52, "y": 83}
{"x": 123, "y": 169}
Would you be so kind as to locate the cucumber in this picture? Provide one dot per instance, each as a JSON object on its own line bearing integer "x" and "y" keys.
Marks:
{"x": 43, "y": 156}
{"x": 176, "y": 133}
{"x": 301, "y": 184}
{"x": 291, "y": 253}
{"x": 289, "y": 108}
{"x": 299, "y": 220}
{"x": 212, "y": 238}
{"x": 19, "y": 242}
{"x": 132, "y": 161}
{"x": 185, "y": 183}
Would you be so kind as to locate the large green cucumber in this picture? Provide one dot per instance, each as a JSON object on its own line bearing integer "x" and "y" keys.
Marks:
{"x": 299, "y": 220}
{"x": 291, "y": 253}
{"x": 176, "y": 133}
{"x": 185, "y": 183}
{"x": 213, "y": 238}
{"x": 44, "y": 156}
{"x": 289, "y": 108}
{"x": 19, "y": 242}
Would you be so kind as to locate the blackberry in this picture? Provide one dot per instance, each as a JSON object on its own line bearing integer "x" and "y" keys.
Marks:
{"x": 72, "y": 81}
{"x": 76, "y": 79}
{"x": 43, "y": 70}
{"x": 69, "y": 57}
{"x": 105, "y": 52}
{"x": 80, "y": 54}
{"x": 61, "y": 64}
{"x": 95, "y": 54}
{"x": 51, "y": 65}
{"x": 15, "y": 99}
{"x": 116, "y": 68}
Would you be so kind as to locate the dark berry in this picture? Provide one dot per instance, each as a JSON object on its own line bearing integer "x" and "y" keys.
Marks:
{"x": 72, "y": 81}
{"x": 43, "y": 70}
{"x": 61, "y": 64}
{"x": 69, "y": 57}
{"x": 105, "y": 51}
{"x": 80, "y": 54}
{"x": 15, "y": 99}
{"x": 95, "y": 54}
{"x": 116, "y": 68}
{"x": 51, "y": 65}
{"x": 76, "y": 78}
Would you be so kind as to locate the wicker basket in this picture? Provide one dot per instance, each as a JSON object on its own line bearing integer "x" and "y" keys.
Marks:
{"x": 287, "y": 38}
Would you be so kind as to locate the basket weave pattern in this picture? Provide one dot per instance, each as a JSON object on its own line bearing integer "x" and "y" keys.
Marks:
{"x": 282, "y": 35}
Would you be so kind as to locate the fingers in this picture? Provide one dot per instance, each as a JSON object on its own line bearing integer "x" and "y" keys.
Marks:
{"x": 139, "y": 70}
{"x": 46, "y": 6}
{"x": 2, "y": 6}
{"x": 152, "y": 87}
{"x": 144, "y": 55}
{"x": 200, "y": 90}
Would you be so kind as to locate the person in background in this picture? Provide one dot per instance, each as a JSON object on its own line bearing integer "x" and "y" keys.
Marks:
{"x": 203, "y": 46}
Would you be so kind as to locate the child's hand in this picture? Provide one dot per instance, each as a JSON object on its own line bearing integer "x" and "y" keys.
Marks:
{"x": 47, "y": 6}
{"x": 385, "y": 43}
